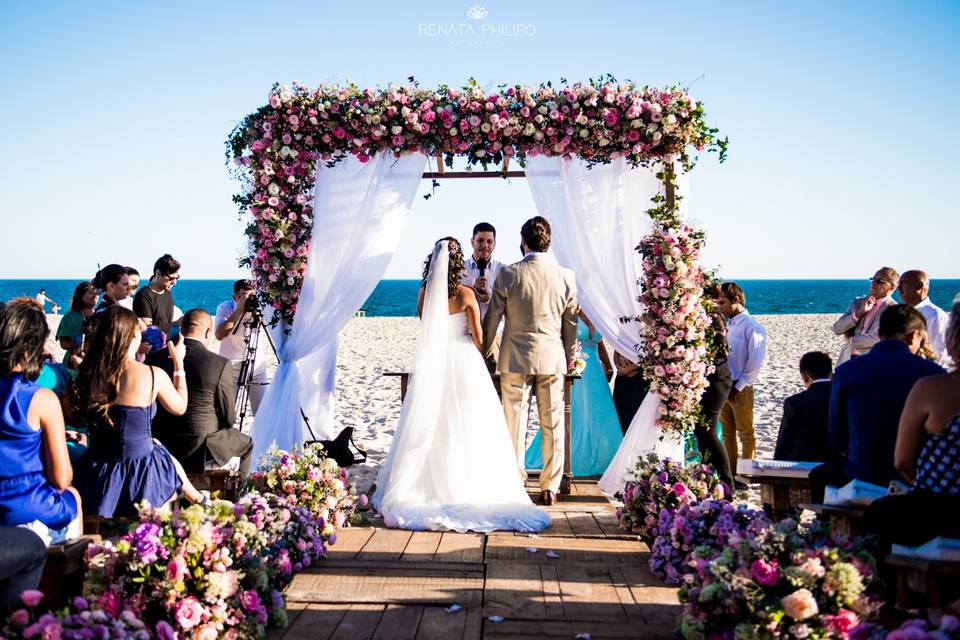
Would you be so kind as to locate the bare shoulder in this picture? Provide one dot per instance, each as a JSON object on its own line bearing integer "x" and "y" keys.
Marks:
{"x": 935, "y": 386}
{"x": 466, "y": 294}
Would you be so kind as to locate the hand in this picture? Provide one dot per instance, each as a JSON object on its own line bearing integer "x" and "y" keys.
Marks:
{"x": 865, "y": 305}
{"x": 177, "y": 350}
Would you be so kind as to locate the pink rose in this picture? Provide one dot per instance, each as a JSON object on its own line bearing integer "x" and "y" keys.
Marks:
{"x": 275, "y": 101}
{"x": 339, "y": 132}
{"x": 313, "y": 474}
{"x": 843, "y": 622}
{"x": 176, "y": 569}
{"x": 188, "y": 612}
{"x": 20, "y": 617}
{"x": 800, "y": 605}
{"x": 31, "y": 597}
{"x": 765, "y": 573}
{"x": 109, "y": 602}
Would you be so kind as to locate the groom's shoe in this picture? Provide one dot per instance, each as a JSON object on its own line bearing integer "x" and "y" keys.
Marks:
{"x": 548, "y": 498}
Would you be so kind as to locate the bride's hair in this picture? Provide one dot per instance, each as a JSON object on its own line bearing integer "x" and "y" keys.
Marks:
{"x": 456, "y": 268}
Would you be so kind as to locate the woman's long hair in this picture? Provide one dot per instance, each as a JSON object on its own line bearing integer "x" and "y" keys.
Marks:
{"x": 77, "y": 302}
{"x": 23, "y": 334}
{"x": 98, "y": 379}
{"x": 456, "y": 267}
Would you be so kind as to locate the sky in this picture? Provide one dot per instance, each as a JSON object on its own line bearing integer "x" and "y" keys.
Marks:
{"x": 842, "y": 143}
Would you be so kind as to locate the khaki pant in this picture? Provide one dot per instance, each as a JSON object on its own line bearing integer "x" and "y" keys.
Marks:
{"x": 515, "y": 392}
{"x": 736, "y": 418}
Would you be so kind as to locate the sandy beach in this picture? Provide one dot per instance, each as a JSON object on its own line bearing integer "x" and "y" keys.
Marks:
{"x": 370, "y": 402}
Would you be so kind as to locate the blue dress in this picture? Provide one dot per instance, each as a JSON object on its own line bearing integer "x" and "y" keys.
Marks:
{"x": 595, "y": 433}
{"x": 25, "y": 494}
{"x": 124, "y": 466}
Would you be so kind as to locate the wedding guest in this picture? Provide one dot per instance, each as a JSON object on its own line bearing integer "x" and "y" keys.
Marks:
{"x": 35, "y": 471}
{"x": 116, "y": 396}
{"x": 867, "y": 396}
{"x": 232, "y": 331}
{"x": 154, "y": 302}
{"x": 860, "y": 324}
{"x": 114, "y": 282}
{"x": 204, "y": 432}
{"x": 70, "y": 331}
{"x": 914, "y": 289}
{"x": 134, "y": 276}
{"x": 803, "y": 426}
{"x": 748, "y": 347}
{"x": 927, "y": 454}
{"x": 482, "y": 269}
{"x": 22, "y": 556}
{"x": 629, "y": 389}
{"x": 714, "y": 398}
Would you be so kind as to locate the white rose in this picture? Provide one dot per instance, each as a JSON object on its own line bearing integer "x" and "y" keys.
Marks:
{"x": 529, "y": 129}
{"x": 542, "y": 109}
{"x": 603, "y": 142}
{"x": 396, "y": 130}
{"x": 485, "y": 127}
{"x": 273, "y": 189}
{"x": 657, "y": 135}
{"x": 636, "y": 124}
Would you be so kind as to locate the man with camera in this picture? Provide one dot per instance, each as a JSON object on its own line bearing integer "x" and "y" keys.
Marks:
{"x": 236, "y": 321}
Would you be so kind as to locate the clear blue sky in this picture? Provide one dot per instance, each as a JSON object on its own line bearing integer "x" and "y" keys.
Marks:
{"x": 841, "y": 115}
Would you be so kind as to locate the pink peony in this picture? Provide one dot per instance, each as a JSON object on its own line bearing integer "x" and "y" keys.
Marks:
{"x": 188, "y": 612}
{"x": 109, "y": 602}
{"x": 176, "y": 569}
{"x": 765, "y": 573}
{"x": 800, "y": 605}
{"x": 843, "y": 622}
{"x": 20, "y": 617}
{"x": 31, "y": 597}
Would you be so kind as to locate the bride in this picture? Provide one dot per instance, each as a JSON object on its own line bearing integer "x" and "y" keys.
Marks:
{"x": 451, "y": 465}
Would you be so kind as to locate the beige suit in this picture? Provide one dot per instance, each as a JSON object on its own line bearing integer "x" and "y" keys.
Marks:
{"x": 861, "y": 333}
{"x": 538, "y": 300}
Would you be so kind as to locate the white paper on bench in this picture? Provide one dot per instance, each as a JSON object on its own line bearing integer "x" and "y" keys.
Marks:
{"x": 775, "y": 468}
{"x": 947, "y": 549}
{"x": 855, "y": 492}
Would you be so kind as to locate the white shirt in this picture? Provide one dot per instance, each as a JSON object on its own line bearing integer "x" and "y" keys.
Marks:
{"x": 232, "y": 346}
{"x": 473, "y": 272}
{"x": 748, "y": 347}
{"x": 937, "y": 321}
{"x": 126, "y": 303}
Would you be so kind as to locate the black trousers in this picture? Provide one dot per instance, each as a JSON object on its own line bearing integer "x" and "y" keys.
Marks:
{"x": 913, "y": 518}
{"x": 718, "y": 388}
{"x": 829, "y": 473}
{"x": 22, "y": 554}
{"x": 628, "y": 394}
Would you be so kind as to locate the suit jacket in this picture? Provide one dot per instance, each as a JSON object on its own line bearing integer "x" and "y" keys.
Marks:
{"x": 866, "y": 398}
{"x": 538, "y": 299}
{"x": 861, "y": 336}
{"x": 803, "y": 427}
{"x": 206, "y": 428}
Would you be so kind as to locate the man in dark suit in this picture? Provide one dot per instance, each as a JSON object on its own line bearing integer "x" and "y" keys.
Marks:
{"x": 803, "y": 428}
{"x": 866, "y": 398}
{"x": 205, "y": 431}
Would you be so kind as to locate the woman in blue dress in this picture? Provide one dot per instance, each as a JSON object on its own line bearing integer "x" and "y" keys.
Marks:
{"x": 35, "y": 471}
{"x": 595, "y": 431}
{"x": 116, "y": 396}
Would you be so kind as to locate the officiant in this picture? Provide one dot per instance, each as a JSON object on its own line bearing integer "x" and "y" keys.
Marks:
{"x": 482, "y": 269}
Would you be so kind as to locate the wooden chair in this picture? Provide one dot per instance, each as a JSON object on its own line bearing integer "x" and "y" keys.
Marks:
{"x": 779, "y": 494}
{"x": 223, "y": 483}
{"x": 923, "y": 583}
{"x": 64, "y": 569}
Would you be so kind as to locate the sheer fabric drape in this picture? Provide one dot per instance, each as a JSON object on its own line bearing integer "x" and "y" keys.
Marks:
{"x": 360, "y": 210}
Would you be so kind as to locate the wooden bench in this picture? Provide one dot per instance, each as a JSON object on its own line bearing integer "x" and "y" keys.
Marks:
{"x": 923, "y": 583}
{"x": 780, "y": 494}
{"x": 567, "y": 386}
{"x": 843, "y": 520}
{"x": 107, "y": 527}
{"x": 223, "y": 483}
{"x": 64, "y": 569}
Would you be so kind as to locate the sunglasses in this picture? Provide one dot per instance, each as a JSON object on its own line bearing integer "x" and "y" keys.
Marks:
{"x": 880, "y": 281}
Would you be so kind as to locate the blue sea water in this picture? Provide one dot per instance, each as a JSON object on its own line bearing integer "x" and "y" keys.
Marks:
{"x": 399, "y": 297}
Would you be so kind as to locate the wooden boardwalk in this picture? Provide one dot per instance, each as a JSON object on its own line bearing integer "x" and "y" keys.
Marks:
{"x": 580, "y": 576}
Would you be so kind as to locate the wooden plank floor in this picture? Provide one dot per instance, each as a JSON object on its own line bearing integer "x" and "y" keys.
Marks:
{"x": 582, "y": 575}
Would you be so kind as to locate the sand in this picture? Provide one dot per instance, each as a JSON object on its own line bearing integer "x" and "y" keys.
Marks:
{"x": 370, "y": 402}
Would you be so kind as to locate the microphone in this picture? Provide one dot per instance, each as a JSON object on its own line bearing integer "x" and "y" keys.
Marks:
{"x": 482, "y": 265}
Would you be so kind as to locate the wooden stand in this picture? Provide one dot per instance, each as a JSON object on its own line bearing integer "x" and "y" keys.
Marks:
{"x": 64, "y": 569}
{"x": 779, "y": 494}
{"x": 225, "y": 484}
{"x": 924, "y": 583}
{"x": 843, "y": 520}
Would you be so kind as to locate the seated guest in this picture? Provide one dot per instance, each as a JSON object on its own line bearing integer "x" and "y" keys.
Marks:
{"x": 914, "y": 288}
{"x": 629, "y": 389}
{"x": 35, "y": 471}
{"x": 22, "y": 556}
{"x": 70, "y": 331}
{"x": 205, "y": 431}
{"x": 927, "y": 455}
{"x": 860, "y": 324}
{"x": 154, "y": 302}
{"x": 115, "y": 397}
{"x": 803, "y": 427}
{"x": 866, "y": 398}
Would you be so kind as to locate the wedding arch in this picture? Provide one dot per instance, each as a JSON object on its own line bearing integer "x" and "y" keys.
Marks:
{"x": 329, "y": 175}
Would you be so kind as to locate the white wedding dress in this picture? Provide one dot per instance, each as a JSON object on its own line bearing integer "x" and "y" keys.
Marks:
{"x": 451, "y": 465}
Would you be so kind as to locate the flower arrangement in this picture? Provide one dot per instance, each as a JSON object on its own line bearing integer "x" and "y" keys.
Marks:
{"x": 277, "y": 148}
{"x": 201, "y": 571}
{"x": 786, "y": 581}
{"x": 305, "y": 477}
{"x": 655, "y": 485}
{"x": 707, "y": 526}
{"x": 77, "y": 621}
{"x": 578, "y": 360}
{"x": 155, "y": 337}
{"x": 938, "y": 626}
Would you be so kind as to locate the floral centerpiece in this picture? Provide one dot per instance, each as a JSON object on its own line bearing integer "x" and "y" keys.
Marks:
{"x": 787, "y": 581}
{"x": 305, "y": 477}
{"x": 654, "y": 485}
{"x": 199, "y": 570}
{"x": 578, "y": 360}
{"x": 707, "y": 526}
{"x": 77, "y": 621}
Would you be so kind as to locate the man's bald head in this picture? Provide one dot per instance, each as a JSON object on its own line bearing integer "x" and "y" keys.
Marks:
{"x": 196, "y": 323}
{"x": 914, "y": 287}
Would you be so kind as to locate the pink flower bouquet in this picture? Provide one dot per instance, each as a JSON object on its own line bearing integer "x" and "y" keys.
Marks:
{"x": 77, "y": 621}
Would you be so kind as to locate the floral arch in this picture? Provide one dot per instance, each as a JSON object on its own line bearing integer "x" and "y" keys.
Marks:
{"x": 280, "y": 149}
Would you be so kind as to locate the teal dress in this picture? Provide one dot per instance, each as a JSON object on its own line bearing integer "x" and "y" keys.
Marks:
{"x": 595, "y": 433}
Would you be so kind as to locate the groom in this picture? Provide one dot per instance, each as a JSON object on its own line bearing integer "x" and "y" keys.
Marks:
{"x": 538, "y": 299}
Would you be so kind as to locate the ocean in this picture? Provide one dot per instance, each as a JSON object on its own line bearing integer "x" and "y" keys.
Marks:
{"x": 393, "y": 298}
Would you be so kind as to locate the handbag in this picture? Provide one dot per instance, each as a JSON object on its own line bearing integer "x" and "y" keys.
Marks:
{"x": 343, "y": 450}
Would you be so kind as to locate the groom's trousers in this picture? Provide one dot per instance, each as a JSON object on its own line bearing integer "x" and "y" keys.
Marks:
{"x": 515, "y": 391}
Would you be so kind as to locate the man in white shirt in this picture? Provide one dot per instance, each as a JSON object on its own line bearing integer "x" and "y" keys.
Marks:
{"x": 230, "y": 316}
{"x": 914, "y": 288}
{"x": 748, "y": 347}
{"x": 482, "y": 269}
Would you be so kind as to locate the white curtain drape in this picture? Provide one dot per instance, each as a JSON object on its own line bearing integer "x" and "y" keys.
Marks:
{"x": 360, "y": 210}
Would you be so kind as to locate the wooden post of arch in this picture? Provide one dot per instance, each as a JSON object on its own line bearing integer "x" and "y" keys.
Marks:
{"x": 668, "y": 185}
